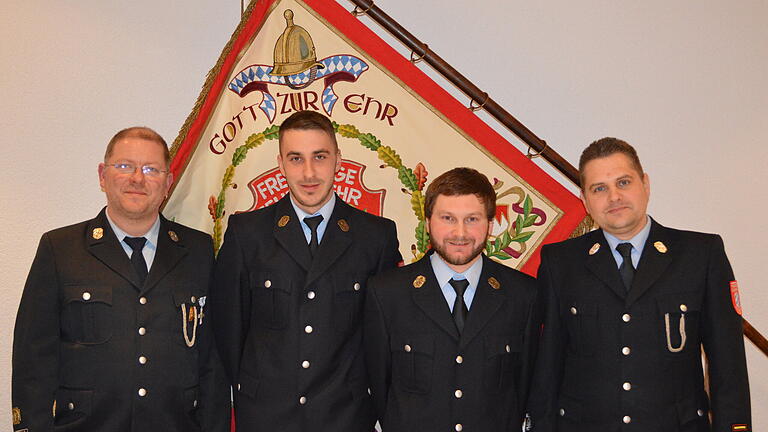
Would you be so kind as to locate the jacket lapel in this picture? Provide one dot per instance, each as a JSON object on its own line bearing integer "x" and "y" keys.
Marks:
{"x": 602, "y": 264}
{"x": 170, "y": 250}
{"x": 429, "y": 298}
{"x": 104, "y": 245}
{"x": 488, "y": 299}
{"x": 336, "y": 239}
{"x": 656, "y": 257}
{"x": 287, "y": 231}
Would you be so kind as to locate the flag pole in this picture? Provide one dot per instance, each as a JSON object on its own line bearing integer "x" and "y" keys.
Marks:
{"x": 479, "y": 99}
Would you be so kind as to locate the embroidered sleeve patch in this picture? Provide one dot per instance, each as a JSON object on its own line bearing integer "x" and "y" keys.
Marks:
{"x": 739, "y": 427}
{"x": 736, "y": 300}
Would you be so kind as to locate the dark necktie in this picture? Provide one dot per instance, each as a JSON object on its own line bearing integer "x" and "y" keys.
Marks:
{"x": 137, "y": 257}
{"x": 626, "y": 269}
{"x": 312, "y": 223}
{"x": 459, "y": 307}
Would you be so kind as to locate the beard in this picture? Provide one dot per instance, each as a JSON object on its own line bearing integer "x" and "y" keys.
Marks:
{"x": 456, "y": 259}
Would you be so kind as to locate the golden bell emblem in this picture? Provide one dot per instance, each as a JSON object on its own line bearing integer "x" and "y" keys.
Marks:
{"x": 295, "y": 53}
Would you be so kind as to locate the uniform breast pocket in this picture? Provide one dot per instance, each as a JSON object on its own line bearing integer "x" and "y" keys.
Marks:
{"x": 87, "y": 316}
{"x": 412, "y": 363}
{"x": 678, "y": 322}
{"x": 501, "y": 355}
{"x": 270, "y": 300}
{"x": 582, "y": 321}
{"x": 348, "y": 296}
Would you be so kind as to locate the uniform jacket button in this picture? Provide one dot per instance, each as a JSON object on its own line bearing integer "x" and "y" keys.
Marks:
{"x": 356, "y": 286}
{"x": 71, "y": 406}
{"x": 311, "y": 295}
{"x": 303, "y": 400}
{"x": 683, "y": 308}
{"x": 626, "y": 317}
{"x": 142, "y": 360}
{"x": 308, "y": 329}
{"x": 627, "y": 419}
{"x": 142, "y": 331}
{"x": 267, "y": 283}
{"x": 143, "y": 300}
{"x": 458, "y": 427}
{"x": 562, "y": 412}
{"x": 626, "y": 351}
{"x": 459, "y": 359}
{"x": 458, "y": 393}
{"x": 574, "y": 311}
{"x": 305, "y": 364}
{"x": 142, "y": 392}
{"x": 407, "y": 348}
{"x": 86, "y": 296}
{"x": 627, "y": 386}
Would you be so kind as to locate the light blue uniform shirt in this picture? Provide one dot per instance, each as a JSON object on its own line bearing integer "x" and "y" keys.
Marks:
{"x": 325, "y": 211}
{"x": 444, "y": 274}
{"x": 150, "y": 247}
{"x": 638, "y": 243}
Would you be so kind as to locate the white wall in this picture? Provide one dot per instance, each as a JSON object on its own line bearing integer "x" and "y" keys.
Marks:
{"x": 682, "y": 81}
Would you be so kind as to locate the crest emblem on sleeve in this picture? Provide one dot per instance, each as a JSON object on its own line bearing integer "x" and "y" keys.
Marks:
{"x": 735, "y": 297}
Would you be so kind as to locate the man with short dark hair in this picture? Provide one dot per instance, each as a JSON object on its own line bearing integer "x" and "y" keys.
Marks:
{"x": 291, "y": 280}
{"x": 112, "y": 333}
{"x": 448, "y": 339}
{"x": 627, "y": 310}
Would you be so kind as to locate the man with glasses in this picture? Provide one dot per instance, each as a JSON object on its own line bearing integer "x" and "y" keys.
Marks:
{"x": 112, "y": 330}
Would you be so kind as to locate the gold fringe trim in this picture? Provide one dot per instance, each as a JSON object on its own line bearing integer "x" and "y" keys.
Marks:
{"x": 586, "y": 225}
{"x": 209, "y": 78}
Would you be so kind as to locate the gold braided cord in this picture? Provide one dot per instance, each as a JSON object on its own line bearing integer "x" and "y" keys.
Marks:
{"x": 586, "y": 225}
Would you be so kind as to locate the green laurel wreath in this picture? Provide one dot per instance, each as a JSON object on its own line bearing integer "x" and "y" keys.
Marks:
{"x": 413, "y": 184}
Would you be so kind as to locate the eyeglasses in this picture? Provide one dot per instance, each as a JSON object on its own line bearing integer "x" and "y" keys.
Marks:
{"x": 129, "y": 168}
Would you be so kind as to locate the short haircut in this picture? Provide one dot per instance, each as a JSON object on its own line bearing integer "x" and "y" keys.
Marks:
{"x": 308, "y": 120}
{"x": 141, "y": 132}
{"x": 461, "y": 181}
{"x": 605, "y": 147}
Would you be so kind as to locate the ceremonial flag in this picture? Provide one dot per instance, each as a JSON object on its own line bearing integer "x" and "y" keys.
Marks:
{"x": 396, "y": 129}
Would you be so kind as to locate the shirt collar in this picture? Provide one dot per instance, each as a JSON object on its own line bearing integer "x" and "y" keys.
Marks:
{"x": 325, "y": 211}
{"x": 443, "y": 273}
{"x": 151, "y": 235}
{"x": 638, "y": 241}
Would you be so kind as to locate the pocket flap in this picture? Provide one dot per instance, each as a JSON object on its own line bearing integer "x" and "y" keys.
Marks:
{"x": 413, "y": 344}
{"x": 88, "y": 293}
{"x": 679, "y": 302}
{"x": 269, "y": 281}
{"x": 691, "y": 408}
{"x": 569, "y": 408}
{"x": 247, "y": 384}
{"x": 350, "y": 283}
{"x": 73, "y": 401}
{"x": 499, "y": 345}
{"x": 191, "y": 398}
{"x": 183, "y": 295}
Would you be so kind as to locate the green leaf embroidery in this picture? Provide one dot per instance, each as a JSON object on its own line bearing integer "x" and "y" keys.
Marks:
{"x": 389, "y": 157}
{"x": 408, "y": 178}
{"x": 417, "y": 204}
{"x": 422, "y": 237}
{"x": 527, "y": 206}
{"x": 523, "y": 236}
{"x": 369, "y": 141}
